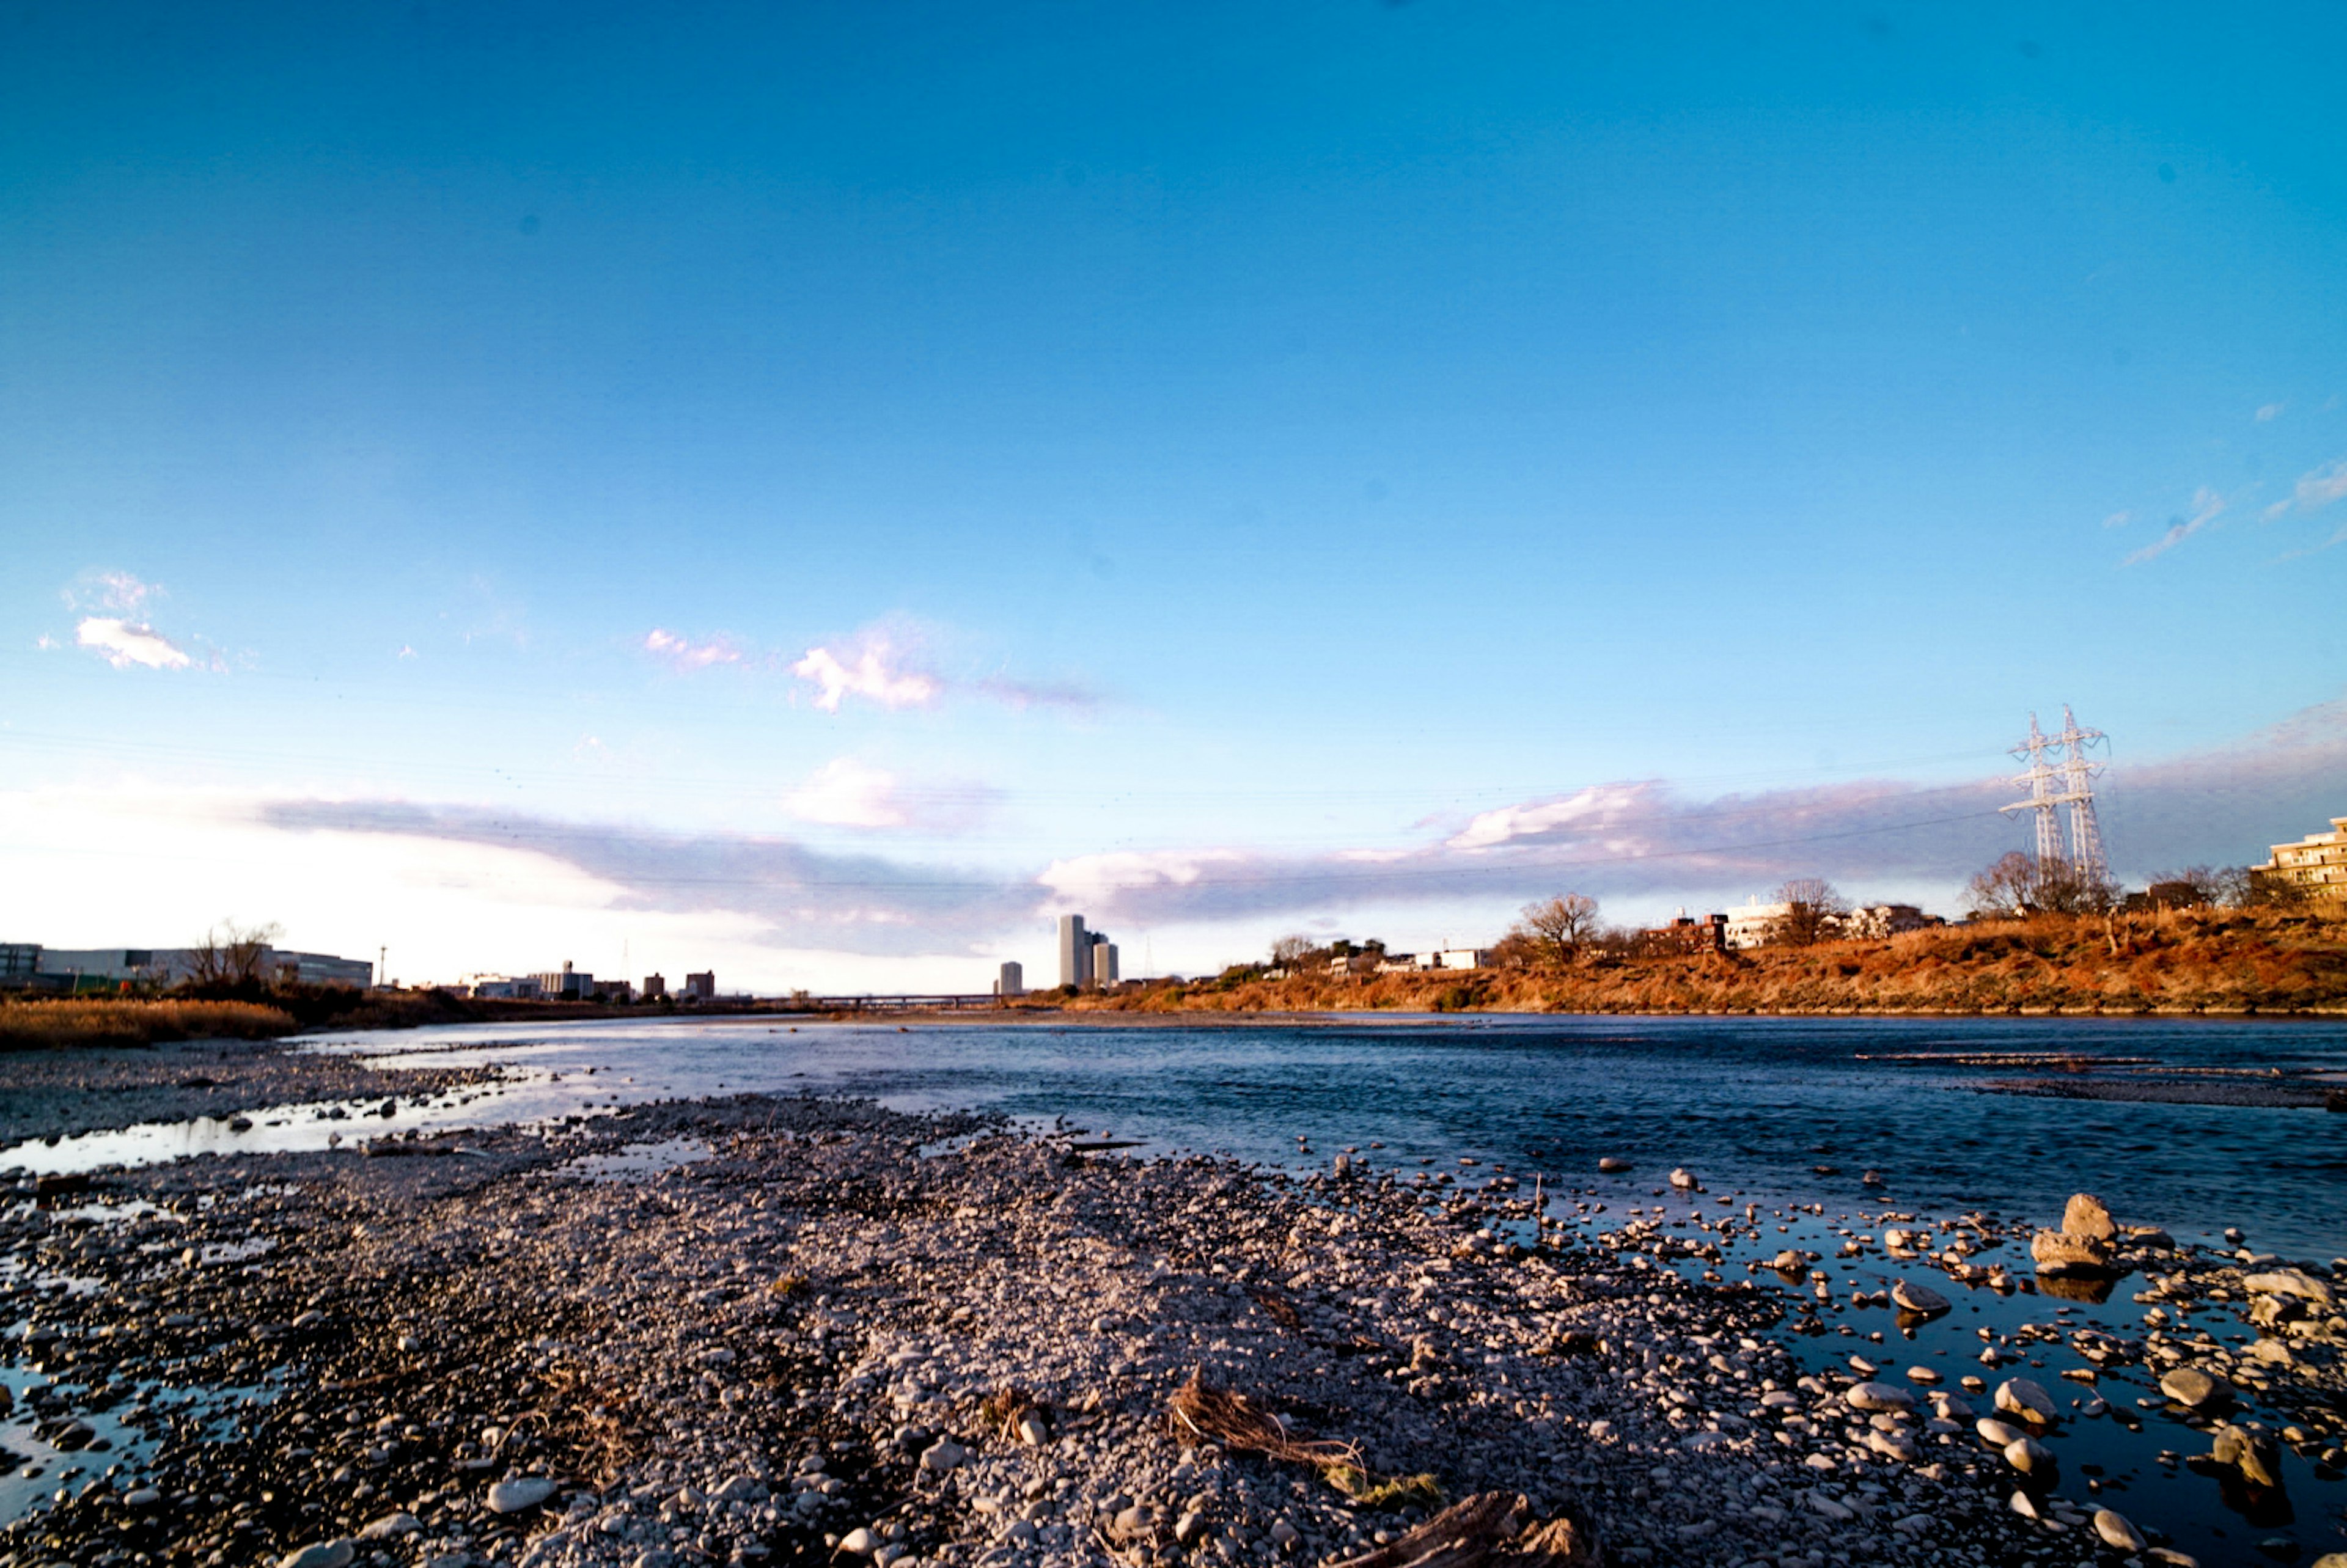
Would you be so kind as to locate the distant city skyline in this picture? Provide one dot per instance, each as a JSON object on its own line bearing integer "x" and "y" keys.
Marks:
{"x": 823, "y": 494}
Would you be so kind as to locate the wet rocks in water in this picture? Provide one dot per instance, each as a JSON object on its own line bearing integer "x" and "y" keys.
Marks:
{"x": 2288, "y": 1282}
{"x": 2117, "y": 1533}
{"x": 2195, "y": 1390}
{"x": 1613, "y": 1165}
{"x": 2255, "y": 1456}
{"x": 1873, "y": 1396}
{"x": 2025, "y": 1398}
{"x": 2028, "y": 1456}
{"x": 2086, "y": 1245}
{"x": 2086, "y": 1215}
{"x": 1919, "y": 1298}
{"x": 1684, "y": 1180}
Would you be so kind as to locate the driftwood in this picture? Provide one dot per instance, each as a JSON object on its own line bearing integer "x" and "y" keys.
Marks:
{"x": 1237, "y": 1421}
{"x": 1488, "y": 1528}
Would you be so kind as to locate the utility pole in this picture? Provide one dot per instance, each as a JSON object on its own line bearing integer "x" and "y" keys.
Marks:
{"x": 382, "y": 966}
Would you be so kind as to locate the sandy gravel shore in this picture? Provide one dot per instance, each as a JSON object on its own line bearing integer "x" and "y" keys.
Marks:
{"x": 765, "y": 1330}
{"x": 46, "y": 1093}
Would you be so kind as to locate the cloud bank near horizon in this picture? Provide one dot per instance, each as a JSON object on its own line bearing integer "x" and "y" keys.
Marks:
{"x": 1640, "y": 839}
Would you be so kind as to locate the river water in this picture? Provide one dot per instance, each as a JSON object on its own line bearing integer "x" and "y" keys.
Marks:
{"x": 1752, "y": 1104}
{"x": 2194, "y": 1125}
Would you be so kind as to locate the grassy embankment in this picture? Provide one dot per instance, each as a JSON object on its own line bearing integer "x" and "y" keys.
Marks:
{"x": 39, "y": 1023}
{"x": 2173, "y": 962}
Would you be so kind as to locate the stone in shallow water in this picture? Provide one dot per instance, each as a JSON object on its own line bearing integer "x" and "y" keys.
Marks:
{"x": 2086, "y": 1215}
{"x": 2027, "y": 1398}
{"x": 2195, "y": 1389}
{"x": 1879, "y": 1397}
{"x": 2116, "y": 1531}
{"x": 1922, "y": 1298}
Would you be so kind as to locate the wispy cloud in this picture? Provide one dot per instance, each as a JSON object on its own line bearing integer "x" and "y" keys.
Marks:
{"x": 124, "y": 644}
{"x": 2318, "y": 489}
{"x": 683, "y": 653}
{"x": 2270, "y": 412}
{"x": 2207, "y": 505}
{"x": 870, "y": 670}
{"x": 118, "y": 593}
{"x": 2118, "y": 519}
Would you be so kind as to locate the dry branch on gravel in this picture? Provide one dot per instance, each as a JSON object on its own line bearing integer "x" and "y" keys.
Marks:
{"x": 1488, "y": 1528}
{"x": 1235, "y": 1421}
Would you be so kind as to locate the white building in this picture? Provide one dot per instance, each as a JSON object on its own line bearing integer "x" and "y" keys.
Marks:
{"x": 1881, "y": 920}
{"x": 1013, "y": 982}
{"x": 569, "y": 984}
{"x": 1754, "y": 924}
{"x": 1104, "y": 960}
{"x": 1456, "y": 958}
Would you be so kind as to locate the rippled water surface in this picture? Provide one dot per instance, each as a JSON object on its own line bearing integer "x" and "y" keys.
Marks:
{"x": 1757, "y": 1103}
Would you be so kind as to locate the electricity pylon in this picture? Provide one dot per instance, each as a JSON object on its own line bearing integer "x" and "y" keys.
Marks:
{"x": 2060, "y": 775}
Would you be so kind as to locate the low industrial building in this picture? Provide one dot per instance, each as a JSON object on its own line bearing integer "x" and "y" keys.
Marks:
{"x": 29, "y": 964}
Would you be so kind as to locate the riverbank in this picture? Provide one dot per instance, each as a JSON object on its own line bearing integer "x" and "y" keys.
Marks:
{"x": 2176, "y": 963}
{"x": 59, "y": 1093}
{"x": 759, "y": 1329}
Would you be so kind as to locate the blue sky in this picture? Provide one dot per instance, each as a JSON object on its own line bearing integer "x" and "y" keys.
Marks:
{"x": 1222, "y": 457}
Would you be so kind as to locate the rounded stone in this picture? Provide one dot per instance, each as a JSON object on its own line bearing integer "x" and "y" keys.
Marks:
{"x": 2117, "y": 1533}
{"x": 520, "y": 1494}
{"x": 1879, "y": 1397}
{"x": 2024, "y": 1398}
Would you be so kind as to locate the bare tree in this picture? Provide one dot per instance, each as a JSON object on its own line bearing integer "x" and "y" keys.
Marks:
{"x": 1559, "y": 926}
{"x": 1289, "y": 951}
{"x": 2017, "y": 885}
{"x": 1813, "y": 912}
{"x": 230, "y": 955}
{"x": 2192, "y": 887}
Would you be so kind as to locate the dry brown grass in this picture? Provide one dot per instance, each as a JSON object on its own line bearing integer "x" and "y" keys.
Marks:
{"x": 2175, "y": 962}
{"x": 68, "y": 1022}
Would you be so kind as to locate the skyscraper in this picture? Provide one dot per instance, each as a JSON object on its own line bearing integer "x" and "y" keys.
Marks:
{"x": 1075, "y": 952}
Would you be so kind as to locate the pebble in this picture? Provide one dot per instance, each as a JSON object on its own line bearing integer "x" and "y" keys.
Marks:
{"x": 2025, "y": 1397}
{"x": 2195, "y": 1390}
{"x": 1879, "y": 1397}
{"x": 2117, "y": 1533}
{"x": 520, "y": 1494}
{"x": 320, "y": 1554}
{"x": 1921, "y": 1299}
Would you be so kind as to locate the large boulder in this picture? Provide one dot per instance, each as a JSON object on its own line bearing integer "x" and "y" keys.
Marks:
{"x": 2086, "y": 1215}
{"x": 2290, "y": 1282}
{"x": 2253, "y": 1454}
{"x": 2062, "y": 1252}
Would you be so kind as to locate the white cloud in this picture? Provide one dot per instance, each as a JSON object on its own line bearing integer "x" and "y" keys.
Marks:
{"x": 845, "y": 792}
{"x": 2208, "y": 507}
{"x": 1591, "y": 810}
{"x": 686, "y": 654}
{"x": 124, "y": 643}
{"x": 867, "y": 673}
{"x": 2118, "y": 519}
{"x": 2271, "y": 411}
{"x": 1104, "y": 879}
